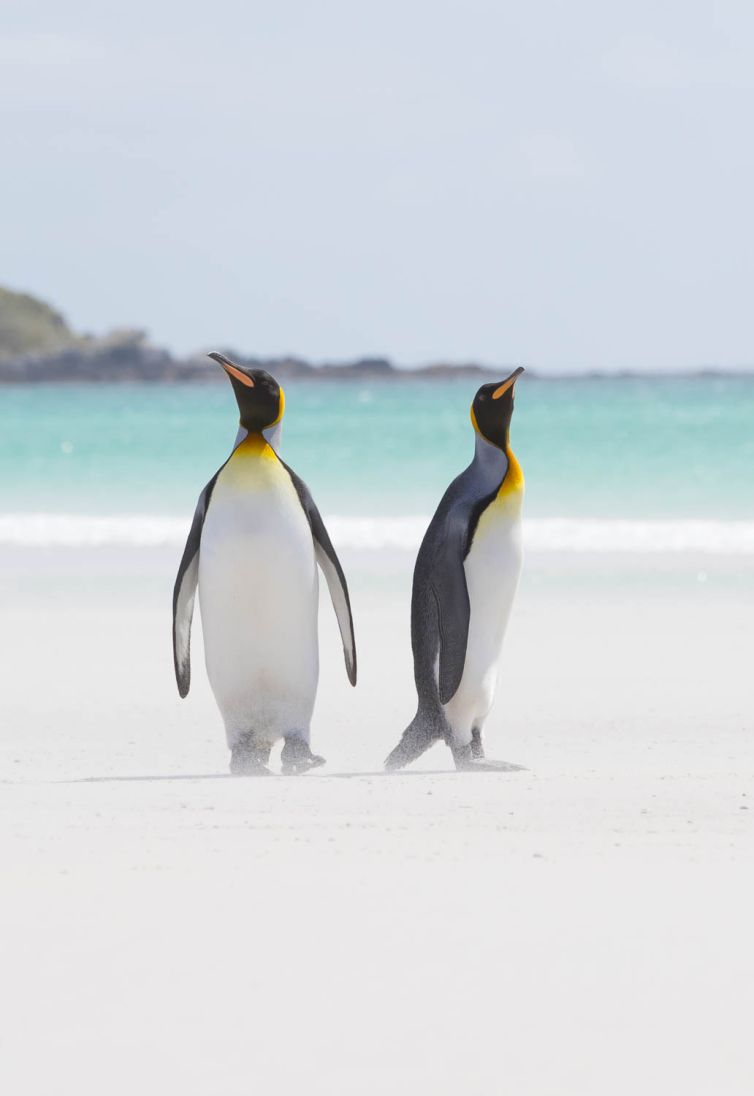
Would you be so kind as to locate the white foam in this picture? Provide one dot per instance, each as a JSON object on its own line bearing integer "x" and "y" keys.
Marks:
{"x": 90, "y": 531}
{"x": 398, "y": 533}
{"x": 568, "y": 535}
{"x": 728, "y": 538}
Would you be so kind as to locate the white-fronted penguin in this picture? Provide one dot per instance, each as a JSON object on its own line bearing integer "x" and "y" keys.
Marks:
{"x": 253, "y": 550}
{"x": 465, "y": 580}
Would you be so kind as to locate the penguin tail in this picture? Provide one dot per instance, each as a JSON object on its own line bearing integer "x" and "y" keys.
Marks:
{"x": 415, "y": 740}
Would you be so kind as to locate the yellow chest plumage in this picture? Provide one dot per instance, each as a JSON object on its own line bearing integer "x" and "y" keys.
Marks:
{"x": 253, "y": 466}
{"x": 501, "y": 520}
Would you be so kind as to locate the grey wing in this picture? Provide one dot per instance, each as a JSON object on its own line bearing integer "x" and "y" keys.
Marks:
{"x": 332, "y": 570}
{"x": 447, "y": 582}
{"x": 184, "y": 592}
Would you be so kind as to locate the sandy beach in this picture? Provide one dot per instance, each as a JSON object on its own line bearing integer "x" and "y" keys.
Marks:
{"x": 581, "y": 925}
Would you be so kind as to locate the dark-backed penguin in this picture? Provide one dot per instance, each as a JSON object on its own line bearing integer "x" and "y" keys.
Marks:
{"x": 465, "y": 580}
{"x": 253, "y": 549}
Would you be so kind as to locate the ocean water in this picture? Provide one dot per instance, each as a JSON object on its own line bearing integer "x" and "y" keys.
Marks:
{"x": 622, "y": 464}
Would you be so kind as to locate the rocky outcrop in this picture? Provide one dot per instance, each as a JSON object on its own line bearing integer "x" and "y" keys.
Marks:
{"x": 37, "y": 345}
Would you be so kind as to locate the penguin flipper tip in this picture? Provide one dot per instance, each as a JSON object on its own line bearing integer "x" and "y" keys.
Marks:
{"x": 183, "y": 681}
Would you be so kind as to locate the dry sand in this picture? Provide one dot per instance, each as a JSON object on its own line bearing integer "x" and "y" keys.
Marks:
{"x": 581, "y": 926}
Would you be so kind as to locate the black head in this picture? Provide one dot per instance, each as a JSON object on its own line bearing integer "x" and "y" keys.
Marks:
{"x": 259, "y": 397}
{"x": 492, "y": 410}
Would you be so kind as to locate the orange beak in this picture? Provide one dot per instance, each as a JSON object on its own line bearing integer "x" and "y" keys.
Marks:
{"x": 508, "y": 384}
{"x": 230, "y": 368}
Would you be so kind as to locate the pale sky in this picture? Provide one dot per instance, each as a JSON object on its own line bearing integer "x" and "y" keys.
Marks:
{"x": 564, "y": 185}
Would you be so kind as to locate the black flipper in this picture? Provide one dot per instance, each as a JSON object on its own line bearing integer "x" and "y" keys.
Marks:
{"x": 451, "y": 596}
{"x": 184, "y": 592}
{"x": 332, "y": 570}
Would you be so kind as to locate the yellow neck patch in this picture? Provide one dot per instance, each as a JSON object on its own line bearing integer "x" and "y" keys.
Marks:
{"x": 512, "y": 487}
{"x": 252, "y": 447}
{"x": 253, "y": 466}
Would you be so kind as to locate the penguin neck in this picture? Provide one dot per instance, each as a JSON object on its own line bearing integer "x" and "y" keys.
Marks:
{"x": 271, "y": 434}
{"x": 490, "y": 463}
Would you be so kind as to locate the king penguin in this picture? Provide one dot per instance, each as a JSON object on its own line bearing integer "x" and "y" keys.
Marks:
{"x": 465, "y": 581}
{"x": 253, "y": 550}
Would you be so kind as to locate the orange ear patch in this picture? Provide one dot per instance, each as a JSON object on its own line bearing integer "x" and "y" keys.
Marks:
{"x": 281, "y": 408}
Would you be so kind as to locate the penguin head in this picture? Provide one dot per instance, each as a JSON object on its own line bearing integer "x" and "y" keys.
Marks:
{"x": 492, "y": 410}
{"x": 259, "y": 397}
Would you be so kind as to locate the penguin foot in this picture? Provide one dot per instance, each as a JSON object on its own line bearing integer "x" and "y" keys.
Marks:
{"x": 246, "y": 759}
{"x": 486, "y": 765}
{"x": 297, "y": 758}
{"x": 467, "y": 762}
{"x": 463, "y": 757}
{"x": 477, "y": 749}
{"x": 242, "y": 766}
{"x": 298, "y": 768}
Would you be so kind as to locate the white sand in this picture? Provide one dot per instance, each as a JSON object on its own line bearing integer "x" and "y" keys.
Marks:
{"x": 584, "y": 926}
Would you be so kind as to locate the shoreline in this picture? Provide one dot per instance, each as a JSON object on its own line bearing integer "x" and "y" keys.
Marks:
{"x": 556, "y": 536}
{"x": 192, "y": 371}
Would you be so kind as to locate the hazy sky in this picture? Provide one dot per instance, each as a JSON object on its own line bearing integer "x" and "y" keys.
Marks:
{"x": 559, "y": 184}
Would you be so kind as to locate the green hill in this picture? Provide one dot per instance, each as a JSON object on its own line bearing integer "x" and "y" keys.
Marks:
{"x": 29, "y": 326}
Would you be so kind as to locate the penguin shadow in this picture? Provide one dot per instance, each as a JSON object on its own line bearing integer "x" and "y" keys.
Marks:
{"x": 501, "y": 767}
{"x": 152, "y": 777}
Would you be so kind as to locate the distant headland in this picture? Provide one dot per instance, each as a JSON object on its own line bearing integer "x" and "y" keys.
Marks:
{"x": 37, "y": 345}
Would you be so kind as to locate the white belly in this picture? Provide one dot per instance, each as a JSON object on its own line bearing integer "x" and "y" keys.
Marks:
{"x": 258, "y": 594}
{"x": 493, "y": 568}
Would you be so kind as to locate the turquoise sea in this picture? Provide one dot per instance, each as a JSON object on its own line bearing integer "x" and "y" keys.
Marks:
{"x": 593, "y": 450}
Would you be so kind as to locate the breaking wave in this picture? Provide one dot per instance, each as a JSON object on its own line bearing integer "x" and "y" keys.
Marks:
{"x": 397, "y": 533}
